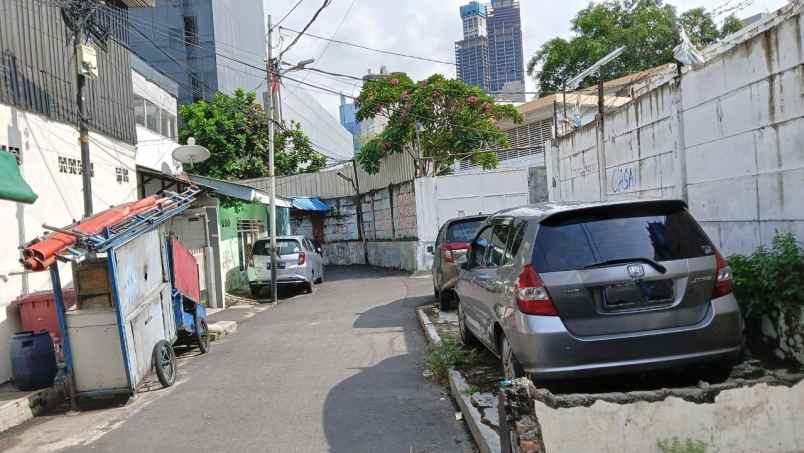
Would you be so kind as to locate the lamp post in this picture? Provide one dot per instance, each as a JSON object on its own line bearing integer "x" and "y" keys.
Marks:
{"x": 274, "y": 74}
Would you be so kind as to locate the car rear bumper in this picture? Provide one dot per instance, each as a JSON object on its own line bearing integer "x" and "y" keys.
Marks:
{"x": 545, "y": 348}
{"x": 283, "y": 278}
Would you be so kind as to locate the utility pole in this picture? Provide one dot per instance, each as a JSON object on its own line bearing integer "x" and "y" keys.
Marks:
{"x": 271, "y": 107}
{"x": 79, "y": 16}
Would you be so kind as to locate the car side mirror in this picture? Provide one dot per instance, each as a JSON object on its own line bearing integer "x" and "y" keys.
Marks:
{"x": 430, "y": 249}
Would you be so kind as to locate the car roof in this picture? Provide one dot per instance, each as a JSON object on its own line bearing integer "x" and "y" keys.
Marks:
{"x": 541, "y": 211}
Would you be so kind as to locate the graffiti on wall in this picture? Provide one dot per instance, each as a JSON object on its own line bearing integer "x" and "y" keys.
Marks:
{"x": 624, "y": 179}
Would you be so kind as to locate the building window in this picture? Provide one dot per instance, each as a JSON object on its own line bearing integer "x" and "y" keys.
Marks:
{"x": 190, "y": 31}
{"x": 139, "y": 110}
{"x": 152, "y": 116}
{"x": 121, "y": 174}
{"x": 168, "y": 125}
{"x": 13, "y": 150}
{"x": 198, "y": 90}
{"x": 71, "y": 166}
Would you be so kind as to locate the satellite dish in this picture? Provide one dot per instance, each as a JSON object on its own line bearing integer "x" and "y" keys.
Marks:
{"x": 191, "y": 153}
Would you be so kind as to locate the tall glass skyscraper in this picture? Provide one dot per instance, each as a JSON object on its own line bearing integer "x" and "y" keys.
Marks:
{"x": 506, "y": 59}
{"x": 490, "y": 54}
{"x": 472, "y": 52}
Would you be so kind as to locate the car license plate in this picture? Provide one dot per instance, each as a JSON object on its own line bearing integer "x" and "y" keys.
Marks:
{"x": 279, "y": 265}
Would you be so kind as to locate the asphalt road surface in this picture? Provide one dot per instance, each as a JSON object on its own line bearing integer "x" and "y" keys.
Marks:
{"x": 337, "y": 371}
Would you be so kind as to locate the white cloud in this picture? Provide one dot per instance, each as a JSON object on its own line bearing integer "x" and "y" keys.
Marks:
{"x": 422, "y": 27}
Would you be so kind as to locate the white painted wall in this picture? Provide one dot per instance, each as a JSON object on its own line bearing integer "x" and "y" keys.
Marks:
{"x": 42, "y": 142}
{"x": 442, "y": 198}
{"x": 728, "y": 136}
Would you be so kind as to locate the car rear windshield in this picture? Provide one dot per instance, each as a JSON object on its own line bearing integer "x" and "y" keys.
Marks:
{"x": 660, "y": 233}
{"x": 285, "y": 246}
{"x": 463, "y": 230}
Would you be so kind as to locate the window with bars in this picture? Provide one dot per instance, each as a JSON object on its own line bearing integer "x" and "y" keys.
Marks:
{"x": 13, "y": 150}
{"x": 190, "y": 30}
{"x": 121, "y": 174}
{"x": 248, "y": 231}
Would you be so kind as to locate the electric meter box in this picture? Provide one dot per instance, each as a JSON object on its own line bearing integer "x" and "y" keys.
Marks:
{"x": 88, "y": 58}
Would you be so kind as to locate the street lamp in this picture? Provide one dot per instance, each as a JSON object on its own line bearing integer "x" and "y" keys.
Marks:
{"x": 274, "y": 73}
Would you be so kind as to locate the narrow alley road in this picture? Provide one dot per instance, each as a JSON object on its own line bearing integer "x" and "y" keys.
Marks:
{"x": 339, "y": 371}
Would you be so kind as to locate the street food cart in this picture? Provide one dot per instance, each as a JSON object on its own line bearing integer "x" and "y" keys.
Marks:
{"x": 134, "y": 294}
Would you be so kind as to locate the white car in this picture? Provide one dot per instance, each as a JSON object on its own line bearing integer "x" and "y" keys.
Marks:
{"x": 299, "y": 263}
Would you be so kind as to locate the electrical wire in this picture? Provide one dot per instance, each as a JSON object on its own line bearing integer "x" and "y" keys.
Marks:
{"x": 286, "y": 15}
{"x": 306, "y": 27}
{"x": 360, "y": 46}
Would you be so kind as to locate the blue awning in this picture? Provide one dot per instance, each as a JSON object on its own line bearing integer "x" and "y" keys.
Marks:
{"x": 310, "y": 204}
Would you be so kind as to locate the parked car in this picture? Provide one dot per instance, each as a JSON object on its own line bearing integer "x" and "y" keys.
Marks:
{"x": 299, "y": 262}
{"x": 568, "y": 290}
{"x": 449, "y": 253}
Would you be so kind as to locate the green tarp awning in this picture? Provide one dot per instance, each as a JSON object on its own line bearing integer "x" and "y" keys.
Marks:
{"x": 12, "y": 186}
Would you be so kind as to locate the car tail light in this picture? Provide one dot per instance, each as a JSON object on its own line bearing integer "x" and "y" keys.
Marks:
{"x": 448, "y": 251}
{"x": 723, "y": 281}
{"x": 532, "y": 296}
{"x": 302, "y": 258}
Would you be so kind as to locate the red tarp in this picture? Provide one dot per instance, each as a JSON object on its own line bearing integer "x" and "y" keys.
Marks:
{"x": 185, "y": 271}
{"x": 39, "y": 256}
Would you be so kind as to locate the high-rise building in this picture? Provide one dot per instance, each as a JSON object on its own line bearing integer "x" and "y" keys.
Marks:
{"x": 348, "y": 114}
{"x": 185, "y": 40}
{"x": 210, "y": 46}
{"x": 472, "y": 52}
{"x": 506, "y": 59}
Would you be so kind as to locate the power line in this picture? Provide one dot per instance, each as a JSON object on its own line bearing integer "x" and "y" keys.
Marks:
{"x": 287, "y": 14}
{"x": 338, "y": 29}
{"x": 306, "y": 27}
{"x": 371, "y": 49}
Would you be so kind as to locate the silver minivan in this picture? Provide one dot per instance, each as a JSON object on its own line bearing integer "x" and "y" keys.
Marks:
{"x": 571, "y": 289}
{"x": 300, "y": 262}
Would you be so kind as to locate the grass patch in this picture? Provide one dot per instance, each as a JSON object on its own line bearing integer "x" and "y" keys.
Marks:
{"x": 447, "y": 354}
{"x": 471, "y": 390}
{"x": 675, "y": 445}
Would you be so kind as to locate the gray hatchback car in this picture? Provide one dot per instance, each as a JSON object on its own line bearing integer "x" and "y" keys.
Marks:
{"x": 571, "y": 289}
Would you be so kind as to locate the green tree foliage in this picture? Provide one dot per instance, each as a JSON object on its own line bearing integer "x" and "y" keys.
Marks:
{"x": 234, "y": 129}
{"x": 647, "y": 28}
{"x": 731, "y": 24}
{"x": 454, "y": 120}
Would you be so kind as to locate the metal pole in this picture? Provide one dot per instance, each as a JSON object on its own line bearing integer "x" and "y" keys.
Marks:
{"x": 271, "y": 113}
{"x": 83, "y": 132}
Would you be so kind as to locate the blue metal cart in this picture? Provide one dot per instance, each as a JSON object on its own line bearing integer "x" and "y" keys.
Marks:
{"x": 128, "y": 314}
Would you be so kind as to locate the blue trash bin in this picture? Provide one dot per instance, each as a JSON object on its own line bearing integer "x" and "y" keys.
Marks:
{"x": 33, "y": 360}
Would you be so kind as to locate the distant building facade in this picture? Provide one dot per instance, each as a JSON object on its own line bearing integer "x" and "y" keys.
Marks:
{"x": 490, "y": 54}
{"x": 185, "y": 40}
{"x": 348, "y": 118}
{"x": 506, "y": 57}
{"x": 472, "y": 52}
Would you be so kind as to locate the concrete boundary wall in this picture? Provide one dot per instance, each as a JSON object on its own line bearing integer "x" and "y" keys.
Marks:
{"x": 725, "y": 136}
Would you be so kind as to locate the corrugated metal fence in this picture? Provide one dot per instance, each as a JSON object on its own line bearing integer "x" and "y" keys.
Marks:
{"x": 394, "y": 169}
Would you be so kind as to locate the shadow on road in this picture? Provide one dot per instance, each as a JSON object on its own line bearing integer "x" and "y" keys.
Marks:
{"x": 359, "y": 272}
{"x": 390, "y": 407}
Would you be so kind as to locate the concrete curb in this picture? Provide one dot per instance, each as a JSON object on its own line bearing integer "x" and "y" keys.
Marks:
{"x": 17, "y": 411}
{"x": 220, "y": 329}
{"x": 488, "y": 441}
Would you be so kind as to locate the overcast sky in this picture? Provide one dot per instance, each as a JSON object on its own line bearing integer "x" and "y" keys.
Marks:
{"x": 426, "y": 28}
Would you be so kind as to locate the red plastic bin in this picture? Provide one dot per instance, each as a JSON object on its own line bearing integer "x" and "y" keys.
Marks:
{"x": 38, "y": 313}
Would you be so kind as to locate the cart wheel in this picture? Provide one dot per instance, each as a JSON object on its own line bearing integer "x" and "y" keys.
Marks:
{"x": 202, "y": 336}
{"x": 165, "y": 363}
